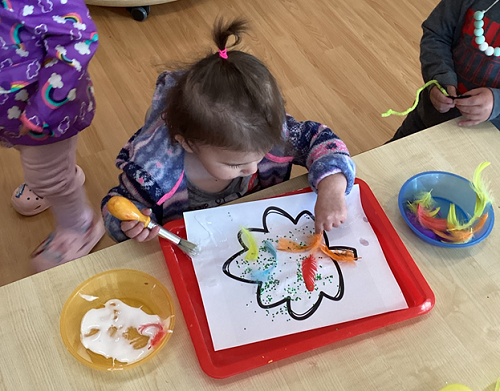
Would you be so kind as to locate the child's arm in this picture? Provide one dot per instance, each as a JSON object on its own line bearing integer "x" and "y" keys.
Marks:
{"x": 120, "y": 231}
{"x": 69, "y": 40}
{"x": 440, "y": 30}
{"x": 331, "y": 209}
{"x": 331, "y": 169}
{"x": 320, "y": 150}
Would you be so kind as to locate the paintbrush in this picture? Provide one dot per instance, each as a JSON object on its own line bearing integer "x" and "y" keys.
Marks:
{"x": 123, "y": 209}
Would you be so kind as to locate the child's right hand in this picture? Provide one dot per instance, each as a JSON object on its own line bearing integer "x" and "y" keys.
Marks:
{"x": 136, "y": 230}
{"x": 440, "y": 101}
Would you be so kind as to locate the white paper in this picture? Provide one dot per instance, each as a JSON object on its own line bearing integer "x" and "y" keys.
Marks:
{"x": 343, "y": 291}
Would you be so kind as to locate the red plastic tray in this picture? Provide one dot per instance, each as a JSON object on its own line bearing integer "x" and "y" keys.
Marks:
{"x": 229, "y": 362}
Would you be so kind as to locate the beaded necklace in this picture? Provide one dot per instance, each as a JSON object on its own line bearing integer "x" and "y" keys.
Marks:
{"x": 479, "y": 33}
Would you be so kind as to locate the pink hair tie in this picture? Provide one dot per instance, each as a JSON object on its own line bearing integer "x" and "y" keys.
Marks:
{"x": 223, "y": 53}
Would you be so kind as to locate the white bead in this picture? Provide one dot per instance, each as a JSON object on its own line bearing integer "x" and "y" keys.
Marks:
{"x": 483, "y": 46}
{"x": 489, "y": 51}
{"x": 478, "y": 32}
{"x": 478, "y": 24}
{"x": 478, "y": 15}
{"x": 496, "y": 52}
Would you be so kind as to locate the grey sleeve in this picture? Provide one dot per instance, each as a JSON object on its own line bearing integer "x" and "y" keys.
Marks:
{"x": 440, "y": 31}
{"x": 496, "y": 103}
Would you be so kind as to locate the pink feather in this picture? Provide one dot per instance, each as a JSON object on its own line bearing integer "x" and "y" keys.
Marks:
{"x": 430, "y": 222}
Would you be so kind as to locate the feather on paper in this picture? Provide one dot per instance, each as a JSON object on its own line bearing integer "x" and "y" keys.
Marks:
{"x": 249, "y": 240}
{"x": 316, "y": 244}
{"x": 309, "y": 268}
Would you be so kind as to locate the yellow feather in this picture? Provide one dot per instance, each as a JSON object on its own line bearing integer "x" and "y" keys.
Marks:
{"x": 426, "y": 201}
{"x": 452, "y": 218}
{"x": 483, "y": 198}
{"x": 253, "y": 251}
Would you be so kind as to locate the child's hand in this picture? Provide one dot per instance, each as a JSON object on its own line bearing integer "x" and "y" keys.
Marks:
{"x": 440, "y": 101}
{"x": 477, "y": 108}
{"x": 331, "y": 208}
{"x": 136, "y": 230}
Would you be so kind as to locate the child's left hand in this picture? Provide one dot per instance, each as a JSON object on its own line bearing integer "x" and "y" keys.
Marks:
{"x": 477, "y": 108}
{"x": 331, "y": 209}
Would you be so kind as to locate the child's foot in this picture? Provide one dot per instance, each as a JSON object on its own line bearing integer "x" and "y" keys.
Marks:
{"x": 28, "y": 203}
{"x": 65, "y": 245}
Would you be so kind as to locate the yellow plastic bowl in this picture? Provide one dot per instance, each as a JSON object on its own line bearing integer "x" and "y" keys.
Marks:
{"x": 134, "y": 288}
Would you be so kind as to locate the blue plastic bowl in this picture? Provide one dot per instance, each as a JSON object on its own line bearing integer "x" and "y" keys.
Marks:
{"x": 446, "y": 189}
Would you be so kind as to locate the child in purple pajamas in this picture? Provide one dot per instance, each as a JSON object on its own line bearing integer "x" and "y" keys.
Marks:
{"x": 46, "y": 99}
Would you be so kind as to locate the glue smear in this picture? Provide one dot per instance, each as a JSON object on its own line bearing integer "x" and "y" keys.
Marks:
{"x": 123, "y": 333}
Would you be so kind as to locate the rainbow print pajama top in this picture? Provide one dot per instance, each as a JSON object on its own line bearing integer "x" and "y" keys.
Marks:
{"x": 45, "y": 49}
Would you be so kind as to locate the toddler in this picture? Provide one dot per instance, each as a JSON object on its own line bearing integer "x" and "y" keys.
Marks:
{"x": 460, "y": 49}
{"x": 217, "y": 131}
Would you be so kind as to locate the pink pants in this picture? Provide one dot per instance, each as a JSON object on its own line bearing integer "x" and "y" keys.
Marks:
{"x": 50, "y": 172}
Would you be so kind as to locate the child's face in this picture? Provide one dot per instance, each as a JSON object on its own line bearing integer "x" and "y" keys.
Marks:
{"x": 226, "y": 164}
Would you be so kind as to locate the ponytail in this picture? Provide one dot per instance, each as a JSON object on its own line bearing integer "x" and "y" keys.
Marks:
{"x": 228, "y": 99}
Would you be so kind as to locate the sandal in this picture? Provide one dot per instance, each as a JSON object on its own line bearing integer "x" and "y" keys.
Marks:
{"x": 65, "y": 245}
{"x": 28, "y": 203}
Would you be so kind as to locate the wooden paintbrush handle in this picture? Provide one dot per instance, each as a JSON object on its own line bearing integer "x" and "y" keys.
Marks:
{"x": 123, "y": 209}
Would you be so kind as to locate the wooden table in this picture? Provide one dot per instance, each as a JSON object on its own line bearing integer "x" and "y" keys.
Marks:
{"x": 457, "y": 342}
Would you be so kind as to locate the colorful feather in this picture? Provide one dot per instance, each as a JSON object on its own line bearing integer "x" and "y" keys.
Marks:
{"x": 339, "y": 255}
{"x": 483, "y": 197}
{"x": 457, "y": 237}
{"x": 463, "y": 235}
{"x": 425, "y": 199}
{"x": 451, "y": 229}
{"x": 269, "y": 246}
{"x": 427, "y": 220}
{"x": 480, "y": 223}
{"x": 263, "y": 275}
{"x": 291, "y": 246}
{"x": 452, "y": 220}
{"x": 249, "y": 240}
{"x": 316, "y": 244}
{"x": 309, "y": 268}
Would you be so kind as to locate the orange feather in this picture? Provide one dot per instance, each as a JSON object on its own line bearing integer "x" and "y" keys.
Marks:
{"x": 316, "y": 245}
{"x": 339, "y": 255}
{"x": 290, "y": 246}
{"x": 426, "y": 220}
{"x": 480, "y": 223}
{"x": 462, "y": 236}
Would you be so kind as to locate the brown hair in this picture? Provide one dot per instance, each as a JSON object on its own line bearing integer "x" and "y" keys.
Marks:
{"x": 232, "y": 103}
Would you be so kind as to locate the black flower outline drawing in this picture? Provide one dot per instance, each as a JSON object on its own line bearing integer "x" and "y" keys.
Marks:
{"x": 287, "y": 300}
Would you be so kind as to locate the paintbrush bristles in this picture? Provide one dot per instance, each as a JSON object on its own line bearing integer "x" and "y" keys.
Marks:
{"x": 189, "y": 248}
